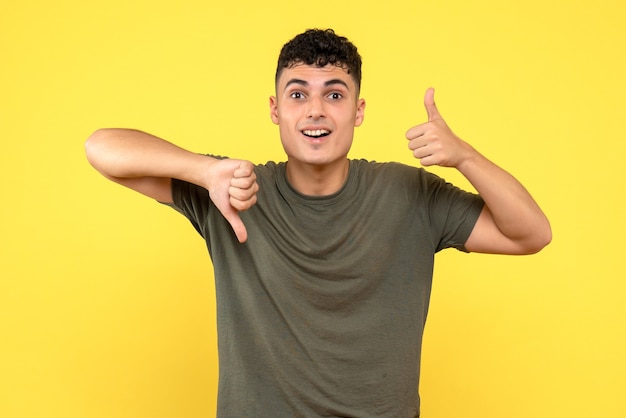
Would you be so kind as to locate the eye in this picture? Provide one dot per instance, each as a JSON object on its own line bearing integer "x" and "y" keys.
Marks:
{"x": 296, "y": 95}
{"x": 335, "y": 96}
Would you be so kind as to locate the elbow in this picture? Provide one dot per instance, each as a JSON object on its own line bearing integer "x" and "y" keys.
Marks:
{"x": 93, "y": 146}
{"x": 541, "y": 239}
{"x": 547, "y": 239}
{"x": 100, "y": 151}
{"x": 545, "y": 235}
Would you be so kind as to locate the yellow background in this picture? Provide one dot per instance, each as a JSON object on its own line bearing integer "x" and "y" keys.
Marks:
{"x": 106, "y": 298}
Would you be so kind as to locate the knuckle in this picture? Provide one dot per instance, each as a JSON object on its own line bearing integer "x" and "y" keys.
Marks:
{"x": 234, "y": 192}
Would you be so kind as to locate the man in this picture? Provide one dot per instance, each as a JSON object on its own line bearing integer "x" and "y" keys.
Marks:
{"x": 323, "y": 265}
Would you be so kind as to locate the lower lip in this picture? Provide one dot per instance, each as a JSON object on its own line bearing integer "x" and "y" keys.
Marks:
{"x": 316, "y": 140}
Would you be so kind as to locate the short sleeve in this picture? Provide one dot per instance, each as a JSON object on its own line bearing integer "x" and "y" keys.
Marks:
{"x": 452, "y": 212}
{"x": 193, "y": 202}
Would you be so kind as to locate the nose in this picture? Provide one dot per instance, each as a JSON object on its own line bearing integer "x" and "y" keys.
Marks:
{"x": 316, "y": 108}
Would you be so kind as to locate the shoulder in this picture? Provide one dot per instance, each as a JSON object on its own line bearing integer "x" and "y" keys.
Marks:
{"x": 269, "y": 175}
{"x": 269, "y": 169}
{"x": 393, "y": 173}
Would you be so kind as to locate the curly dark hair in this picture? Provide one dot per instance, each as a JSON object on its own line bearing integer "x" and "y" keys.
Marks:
{"x": 321, "y": 47}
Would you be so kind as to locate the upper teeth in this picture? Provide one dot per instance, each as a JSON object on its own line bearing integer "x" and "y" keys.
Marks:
{"x": 317, "y": 132}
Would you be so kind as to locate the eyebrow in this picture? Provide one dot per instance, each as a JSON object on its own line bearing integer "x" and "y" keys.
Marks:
{"x": 305, "y": 83}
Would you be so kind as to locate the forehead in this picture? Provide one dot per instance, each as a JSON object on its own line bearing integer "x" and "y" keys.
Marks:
{"x": 314, "y": 75}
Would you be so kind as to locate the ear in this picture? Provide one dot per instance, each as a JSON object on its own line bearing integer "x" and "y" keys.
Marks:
{"x": 274, "y": 109}
{"x": 360, "y": 112}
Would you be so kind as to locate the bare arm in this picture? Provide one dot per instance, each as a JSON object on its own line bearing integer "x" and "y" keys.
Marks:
{"x": 147, "y": 164}
{"x": 511, "y": 221}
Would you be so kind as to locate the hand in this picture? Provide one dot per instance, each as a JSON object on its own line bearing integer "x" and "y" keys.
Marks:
{"x": 433, "y": 142}
{"x": 233, "y": 188}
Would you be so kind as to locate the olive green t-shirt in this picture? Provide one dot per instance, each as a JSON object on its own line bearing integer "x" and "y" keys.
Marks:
{"x": 321, "y": 312}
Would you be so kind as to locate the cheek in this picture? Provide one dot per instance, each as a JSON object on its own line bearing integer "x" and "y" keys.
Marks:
{"x": 285, "y": 118}
{"x": 348, "y": 122}
{"x": 289, "y": 145}
{"x": 287, "y": 135}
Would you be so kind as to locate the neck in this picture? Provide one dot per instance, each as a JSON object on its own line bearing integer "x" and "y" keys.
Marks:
{"x": 314, "y": 180}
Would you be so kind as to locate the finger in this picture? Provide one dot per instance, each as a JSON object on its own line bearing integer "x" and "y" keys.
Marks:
{"x": 238, "y": 227}
{"x": 245, "y": 169}
{"x": 418, "y": 143}
{"x": 427, "y": 161}
{"x": 416, "y": 131}
{"x": 431, "y": 107}
{"x": 420, "y": 149}
{"x": 243, "y": 182}
{"x": 242, "y": 194}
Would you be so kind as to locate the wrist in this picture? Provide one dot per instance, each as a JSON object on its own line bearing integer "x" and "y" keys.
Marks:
{"x": 470, "y": 159}
{"x": 198, "y": 169}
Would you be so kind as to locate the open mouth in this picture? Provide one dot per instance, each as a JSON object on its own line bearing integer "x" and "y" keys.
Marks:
{"x": 317, "y": 133}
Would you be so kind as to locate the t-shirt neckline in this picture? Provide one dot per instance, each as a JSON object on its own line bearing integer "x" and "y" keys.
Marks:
{"x": 290, "y": 192}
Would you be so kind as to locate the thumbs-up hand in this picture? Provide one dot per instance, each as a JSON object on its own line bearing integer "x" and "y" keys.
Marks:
{"x": 232, "y": 187}
{"x": 433, "y": 142}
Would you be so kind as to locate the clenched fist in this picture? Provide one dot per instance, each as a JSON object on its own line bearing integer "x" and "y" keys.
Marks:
{"x": 232, "y": 187}
{"x": 433, "y": 142}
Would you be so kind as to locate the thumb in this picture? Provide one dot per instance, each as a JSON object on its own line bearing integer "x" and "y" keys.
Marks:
{"x": 237, "y": 224}
{"x": 429, "y": 104}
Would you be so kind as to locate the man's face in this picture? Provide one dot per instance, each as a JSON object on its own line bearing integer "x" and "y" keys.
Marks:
{"x": 316, "y": 109}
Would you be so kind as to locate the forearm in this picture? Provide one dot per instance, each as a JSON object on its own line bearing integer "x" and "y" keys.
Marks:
{"x": 126, "y": 153}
